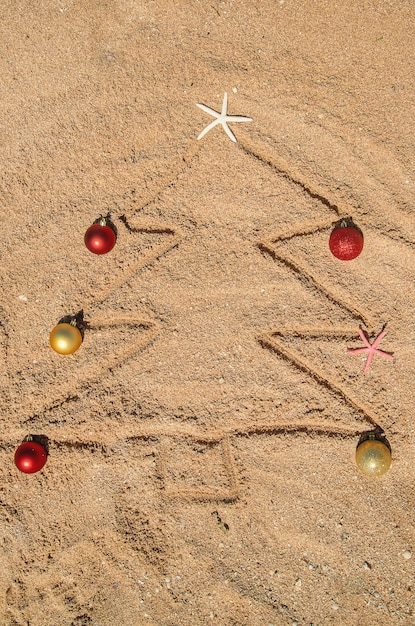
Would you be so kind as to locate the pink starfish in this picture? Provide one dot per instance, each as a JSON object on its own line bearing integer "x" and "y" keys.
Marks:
{"x": 371, "y": 349}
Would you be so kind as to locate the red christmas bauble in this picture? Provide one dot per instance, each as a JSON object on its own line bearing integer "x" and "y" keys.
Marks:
{"x": 346, "y": 243}
{"x": 100, "y": 238}
{"x": 30, "y": 457}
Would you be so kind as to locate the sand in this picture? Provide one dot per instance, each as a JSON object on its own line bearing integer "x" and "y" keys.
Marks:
{"x": 201, "y": 442}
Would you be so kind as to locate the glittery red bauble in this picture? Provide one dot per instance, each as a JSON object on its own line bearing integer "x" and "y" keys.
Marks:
{"x": 346, "y": 242}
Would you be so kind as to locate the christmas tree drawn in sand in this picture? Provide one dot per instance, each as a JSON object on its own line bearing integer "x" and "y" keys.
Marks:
{"x": 211, "y": 394}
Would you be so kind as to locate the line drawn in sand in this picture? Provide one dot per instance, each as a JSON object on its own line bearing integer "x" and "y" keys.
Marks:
{"x": 146, "y": 328}
{"x": 272, "y": 341}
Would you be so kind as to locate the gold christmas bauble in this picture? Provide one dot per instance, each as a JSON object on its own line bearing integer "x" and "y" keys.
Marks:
{"x": 65, "y": 338}
{"x": 373, "y": 457}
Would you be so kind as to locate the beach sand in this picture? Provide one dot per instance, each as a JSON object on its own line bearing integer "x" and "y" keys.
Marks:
{"x": 201, "y": 442}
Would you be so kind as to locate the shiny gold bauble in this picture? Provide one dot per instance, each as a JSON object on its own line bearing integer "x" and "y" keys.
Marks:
{"x": 373, "y": 457}
{"x": 65, "y": 338}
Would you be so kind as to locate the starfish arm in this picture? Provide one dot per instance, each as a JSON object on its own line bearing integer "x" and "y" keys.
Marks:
{"x": 208, "y": 110}
{"x": 224, "y": 104}
{"x": 207, "y": 129}
{"x": 228, "y": 132}
{"x": 382, "y": 353}
{"x": 364, "y": 338}
{"x": 238, "y": 118}
{"x": 368, "y": 361}
{"x": 378, "y": 339}
{"x": 358, "y": 350}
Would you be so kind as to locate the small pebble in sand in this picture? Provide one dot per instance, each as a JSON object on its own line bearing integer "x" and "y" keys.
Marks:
{"x": 407, "y": 554}
{"x": 23, "y": 298}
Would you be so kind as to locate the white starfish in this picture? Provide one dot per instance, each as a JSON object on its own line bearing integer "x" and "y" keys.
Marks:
{"x": 222, "y": 118}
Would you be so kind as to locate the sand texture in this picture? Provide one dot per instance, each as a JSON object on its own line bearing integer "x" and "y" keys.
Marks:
{"x": 201, "y": 442}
